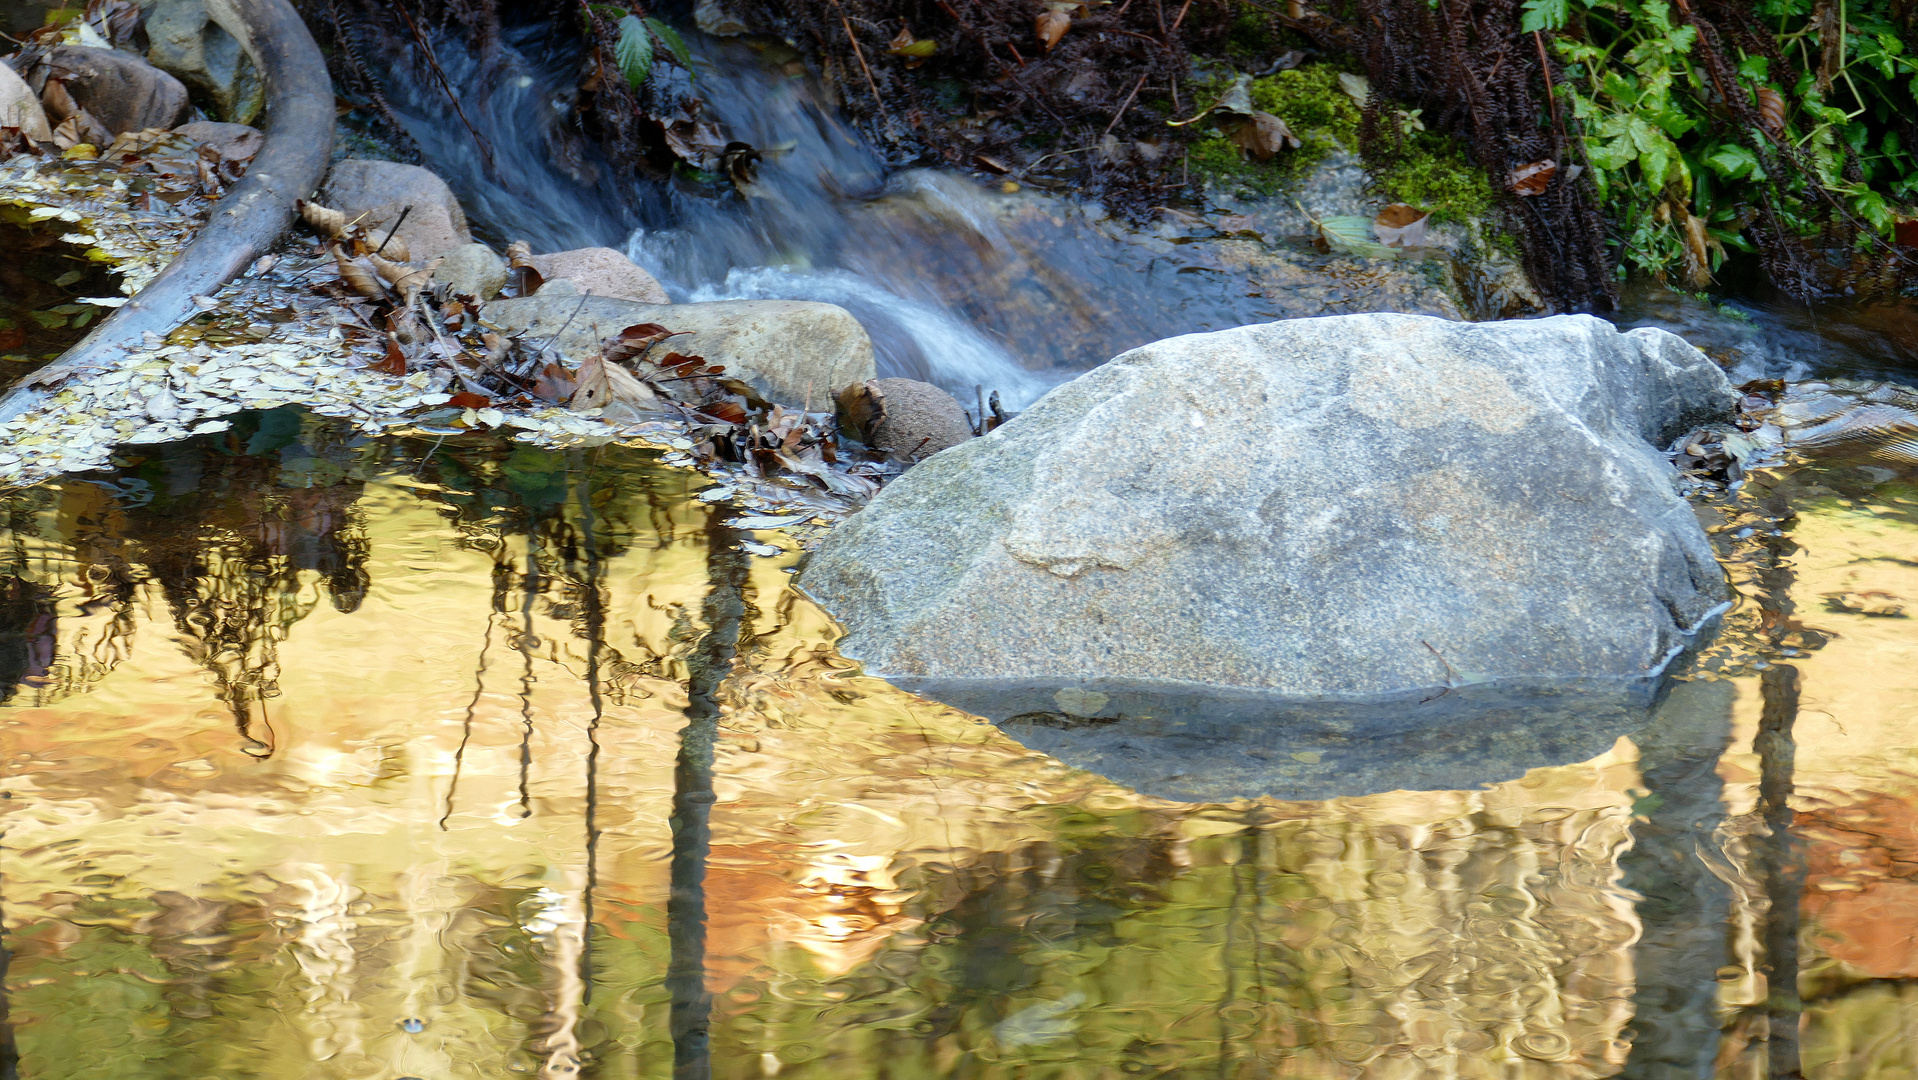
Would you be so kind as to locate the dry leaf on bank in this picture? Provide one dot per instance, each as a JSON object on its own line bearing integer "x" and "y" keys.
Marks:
{"x": 635, "y": 340}
{"x": 1534, "y": 178}
{"x": 608, "y": 386}
{"x": 358, "y": 274}
{"x": 1050, "y": 26}
{"x": 324, "y": 220}
{"x": 1264, "y": 135}
{"x": 1401, "y": 225}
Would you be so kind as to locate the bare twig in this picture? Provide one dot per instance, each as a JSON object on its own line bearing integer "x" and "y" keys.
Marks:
{"x": 1127, "y": 104}
{"x": 397, "y": 222}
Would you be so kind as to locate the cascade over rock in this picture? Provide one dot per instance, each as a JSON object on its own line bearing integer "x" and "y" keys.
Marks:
{"x": 1345, "y": 508}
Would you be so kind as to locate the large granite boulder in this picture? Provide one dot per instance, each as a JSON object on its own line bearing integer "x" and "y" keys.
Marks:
{"x": 1352, "y": 508}
{"x": 795, "y": 352}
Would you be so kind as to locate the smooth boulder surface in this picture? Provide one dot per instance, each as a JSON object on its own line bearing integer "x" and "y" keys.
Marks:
{"x": 186, "y": 43}
{"x": 795, "y": 352}
{"x": 1348, "y": 508}
{"x": 602, "y": 272}
{"x": 20, "y": 107}
{"x": 473, "y": 270}
{"x": 915, "y": 419}
{"x": 120, "y": 90}
{"x": 377, "y": 192}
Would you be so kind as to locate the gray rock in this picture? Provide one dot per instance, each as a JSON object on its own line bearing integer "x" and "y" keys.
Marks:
{"x": 793, "y": 351}
{"x": 123, "y": 92}
{"x": 187, "y": 44}
{"x": 1347, "y": 507}
{"x": 20, "y": 107}
{"x": 472, "y": 270}
{"x": 233, "y": 142}
{"x": 916, "y": 420}
{"x": 376, "y": 192}
{"x": 602, "y": 272}
{"x": 713, "y": 17}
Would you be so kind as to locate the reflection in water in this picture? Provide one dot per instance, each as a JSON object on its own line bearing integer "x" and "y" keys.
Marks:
{"x": 537, "y": 772}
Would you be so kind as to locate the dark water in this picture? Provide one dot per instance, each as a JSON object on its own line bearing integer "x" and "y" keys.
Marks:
{"x": 337, "y": 758}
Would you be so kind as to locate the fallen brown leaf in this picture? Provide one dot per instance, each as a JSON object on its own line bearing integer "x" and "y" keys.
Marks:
{"x": 1534, "y": 178}
{"x": 1264, "y": 135}
{"x": 1401, "y": 225}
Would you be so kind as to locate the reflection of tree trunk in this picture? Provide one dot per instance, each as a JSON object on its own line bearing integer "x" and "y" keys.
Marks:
{"x": 692, "y": 806}
{"x": 1684, "y": 904}
{"x": 9, "y": 1055}
{"x": 1783, "y": 872}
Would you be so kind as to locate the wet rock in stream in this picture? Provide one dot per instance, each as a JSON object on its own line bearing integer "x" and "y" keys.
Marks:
{"x": 1217, "y": 527}
{"x": 375, "y": 193}
{"x": 602, "y": 272}
{"x": 793, "y": 351}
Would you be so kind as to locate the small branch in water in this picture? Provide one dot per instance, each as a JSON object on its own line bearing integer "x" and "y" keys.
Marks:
{"x": 433, "y": 61}
{"x": 860, "y": 55}
{"x": 1451, "y": 676}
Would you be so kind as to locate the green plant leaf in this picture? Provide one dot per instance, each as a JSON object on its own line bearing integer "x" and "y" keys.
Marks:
{"x": 1545, "y": 15}
{"x": 675, "y": 44}
{"x": 1733, "y": 162}
{"x": 634, "y": 53}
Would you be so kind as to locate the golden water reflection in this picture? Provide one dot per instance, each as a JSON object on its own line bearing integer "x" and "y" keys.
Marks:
{"x": 338, "y": 759}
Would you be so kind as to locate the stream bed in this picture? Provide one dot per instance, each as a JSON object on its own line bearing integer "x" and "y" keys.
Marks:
{"x": 329, "y": 756}
{"x": 347, "y": 757}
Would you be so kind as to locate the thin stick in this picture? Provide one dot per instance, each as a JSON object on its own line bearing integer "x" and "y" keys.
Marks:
{"x": 1551, "y": 99}
{"x": 860, "y": 55}
{"x": 397, "y": 222}
{"x": 1123, "y": 107}
{"x": 583, "y": 297}
{"x": 1181, "y": 15}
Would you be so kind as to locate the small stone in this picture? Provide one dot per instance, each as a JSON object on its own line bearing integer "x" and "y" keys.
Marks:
{"x": 602, "y": 272}
{"x": 121, "y": 91}
{"x": 916, "y": 420}
{"x": 186, "y": 43}
{"x": 471, "y": 270}
{"x": 376, "y": 192}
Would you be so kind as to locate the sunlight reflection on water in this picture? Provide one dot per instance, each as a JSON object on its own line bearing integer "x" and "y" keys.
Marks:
{"x": 357, "y": 759}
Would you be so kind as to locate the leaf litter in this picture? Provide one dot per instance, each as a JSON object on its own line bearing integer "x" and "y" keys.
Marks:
{"x": 338, "y": 328}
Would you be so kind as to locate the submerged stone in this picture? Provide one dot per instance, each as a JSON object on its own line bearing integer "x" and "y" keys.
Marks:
{"x": 1334, "y": 509}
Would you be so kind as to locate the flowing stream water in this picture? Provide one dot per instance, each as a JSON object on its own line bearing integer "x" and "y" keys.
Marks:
{"x": 359, "y": 759}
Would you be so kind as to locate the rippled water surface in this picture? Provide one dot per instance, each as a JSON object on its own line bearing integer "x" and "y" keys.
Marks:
{"x": 333, "y": 758}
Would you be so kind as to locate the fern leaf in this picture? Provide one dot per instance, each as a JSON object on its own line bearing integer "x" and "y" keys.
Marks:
{"x": 634, "y": 53}
{"x": 675, "y": 44}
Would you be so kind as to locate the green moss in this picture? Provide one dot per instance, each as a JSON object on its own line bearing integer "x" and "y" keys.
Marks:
{"x": 1221, "y": 163}
{"x": 1313, "y": 105}
{"x": 1436, "y": 174}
